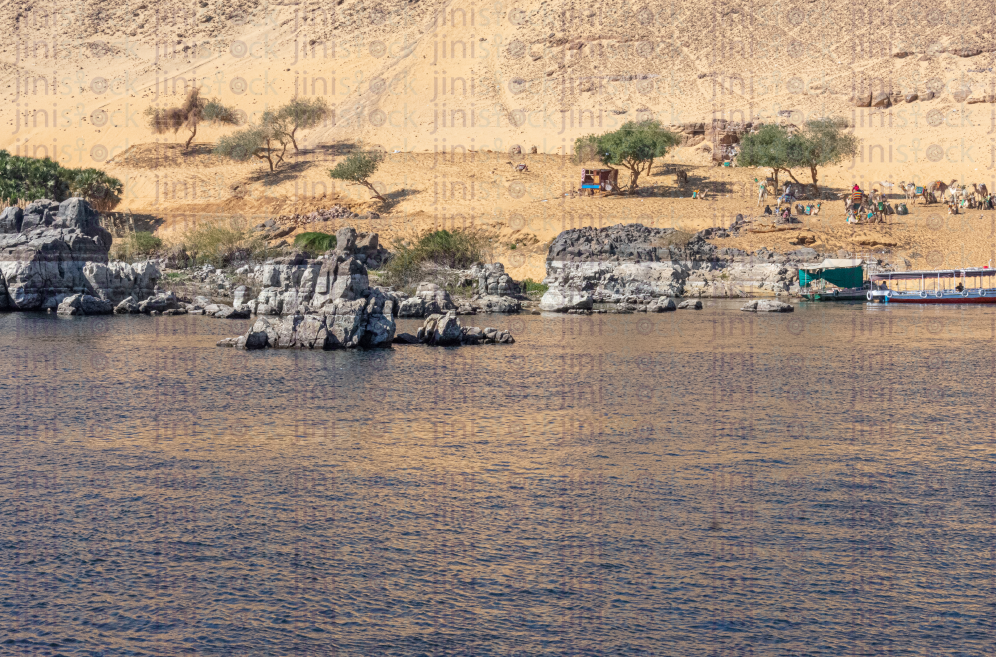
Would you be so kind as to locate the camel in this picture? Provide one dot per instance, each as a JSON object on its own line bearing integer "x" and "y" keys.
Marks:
{"x": 980, "y": 191}
{"x": 938, "y": 188}
{"x": 910, "y": 190}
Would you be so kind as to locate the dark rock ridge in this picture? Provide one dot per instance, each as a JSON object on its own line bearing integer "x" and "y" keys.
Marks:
{"x": 633, "y": 264}
{"x": 50, "y": 251}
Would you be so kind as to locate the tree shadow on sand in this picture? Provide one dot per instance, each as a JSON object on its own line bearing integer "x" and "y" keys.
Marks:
{"x": 283, "y": 173}
{"x": 392, "y": 199}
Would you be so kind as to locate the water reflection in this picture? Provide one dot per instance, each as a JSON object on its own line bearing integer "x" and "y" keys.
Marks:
{"x": 692, "y": 483}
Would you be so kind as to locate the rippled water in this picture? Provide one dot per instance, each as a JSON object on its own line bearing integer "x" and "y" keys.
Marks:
{"x": 692, "y": 483}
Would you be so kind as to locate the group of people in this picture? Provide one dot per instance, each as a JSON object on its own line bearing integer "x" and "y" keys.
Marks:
{"x": 864, "y": 208}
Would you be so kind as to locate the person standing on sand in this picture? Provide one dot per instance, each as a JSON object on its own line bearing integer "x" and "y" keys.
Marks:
{"x": 856, "y": 197}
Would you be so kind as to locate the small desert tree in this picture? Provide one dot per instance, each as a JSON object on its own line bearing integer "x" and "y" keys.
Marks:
{"x": 634, "y": 146}
{"x": 357, "y": 169}
{"x": 266, "y": 141}
{"x": 824, "y": 142}
{"x": 194, "y": 110}
{"x": 771, "y": 146}
{"x": 303, "y": 113}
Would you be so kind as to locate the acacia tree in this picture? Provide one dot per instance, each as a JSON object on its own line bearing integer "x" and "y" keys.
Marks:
{"x": 303, "y": 113}
{"x": 634, "y": 146}
{"x": 194, "y": 110}
{"x": 824, "y": 142}
{"x": 357, "y": 169}
{"x": 266, "y": 141}
{"x": 771, "y": 146}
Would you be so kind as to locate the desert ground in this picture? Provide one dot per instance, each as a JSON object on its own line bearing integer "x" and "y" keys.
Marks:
{"x": 448, "y": 89}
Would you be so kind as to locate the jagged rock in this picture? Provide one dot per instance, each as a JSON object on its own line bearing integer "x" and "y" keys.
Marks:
{"x": 127, "y": 307}
{"x": 158, "y": 303}
{"x": 661, "y": 304}
{"x": 227, "y": 342}
{"x": 912, "y": 97}
{"x": 493, "y": 281}
{"x": 767, "y": 306}
{"x": 241, "y": 297}
{"x": 862, "y": 100}
{"x": 493, "y": 304}
{"x": 561, "y": 300}
{"x": 690, "y": 304}
{"x": 44, "y": 249}
{"x": 881, "y": 99}
{"x": 84, "y": 304}
{"x": 345, "y": 240}
{"x": 429, "y": 299}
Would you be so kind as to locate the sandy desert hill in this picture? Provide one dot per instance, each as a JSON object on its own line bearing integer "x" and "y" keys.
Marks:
{"x": 449, "y": 88}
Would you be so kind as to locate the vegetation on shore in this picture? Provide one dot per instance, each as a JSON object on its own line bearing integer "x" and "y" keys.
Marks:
{"x": 820, "y": 143}
{"x": 29, "y": 179}
{"x": 433, "y": 249}
{"x": 634, "y": 146}
{"x": 315, "y": 244}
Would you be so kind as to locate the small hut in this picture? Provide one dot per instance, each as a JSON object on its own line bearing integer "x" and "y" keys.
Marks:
{"x": 599, "y": 180}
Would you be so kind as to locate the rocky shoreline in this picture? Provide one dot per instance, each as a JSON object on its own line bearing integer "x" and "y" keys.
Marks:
{"x": 54, "y": 257}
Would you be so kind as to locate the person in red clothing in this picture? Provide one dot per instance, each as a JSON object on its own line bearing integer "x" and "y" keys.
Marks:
{"x": 856, "y": 197}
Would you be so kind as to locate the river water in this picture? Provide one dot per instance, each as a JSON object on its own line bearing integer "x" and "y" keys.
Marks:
{"x": 690, "y": 483}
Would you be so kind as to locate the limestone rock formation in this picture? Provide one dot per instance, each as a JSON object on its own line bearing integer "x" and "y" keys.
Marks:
{"x": 429, "y": 299}
{"x": 50, "y": 251}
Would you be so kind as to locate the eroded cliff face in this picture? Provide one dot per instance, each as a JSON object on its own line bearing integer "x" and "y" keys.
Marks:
{"x": 50, "y": 250}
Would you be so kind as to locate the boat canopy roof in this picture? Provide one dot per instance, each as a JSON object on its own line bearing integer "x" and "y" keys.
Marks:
{"x": 933, "y": 273}
{"x": 834, "y": 263}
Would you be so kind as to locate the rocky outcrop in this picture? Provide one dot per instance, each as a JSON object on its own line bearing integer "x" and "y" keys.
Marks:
{"x": 633, "y": 264}
{"x": 365, "y": 247}
{"x": 446, "y": 330}
{"x": 495, "y": 304}
{"x": 341, "y": 324}
{"x": 429, "y": 299}
{"x": 50, "y": 251}
{"x": 493, "y": 281}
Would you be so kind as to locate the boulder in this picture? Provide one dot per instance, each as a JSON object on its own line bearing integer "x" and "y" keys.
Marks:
{"x": 494, "y": 304}
{"x": 690, "y": 304}
{"x": 158, "y": 303}
{"x": 912, "y": 97}
{"x": 447, "y": 330}
{"x": 881, "y": 99}
{"x": 928, "y": 95}
{"x": 429, "y": 299}
{"x": 127, "y": 307}
{"x": 240, "y": 297}
{"x": 345, "y": 240}
{"x": 561, "y": 300}
{"x": 767, "y": 306}
{"x": 661, "y": 305}
{"x": 493, "y": 281}
{"x": 84, "y": 304}
{"x": 862, "y": 99}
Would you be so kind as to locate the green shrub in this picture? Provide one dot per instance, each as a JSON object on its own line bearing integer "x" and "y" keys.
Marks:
{"x": 222, "y": 242}
{"x": 441, "y": 248}
{"x": 315, "y": 243}
{"x": 29, "y": 179}
{"x": 136, "y": 245}
{"x": 531, "y": 286}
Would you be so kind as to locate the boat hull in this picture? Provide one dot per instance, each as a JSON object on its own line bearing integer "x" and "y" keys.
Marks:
{"x": 989, "y": 296}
